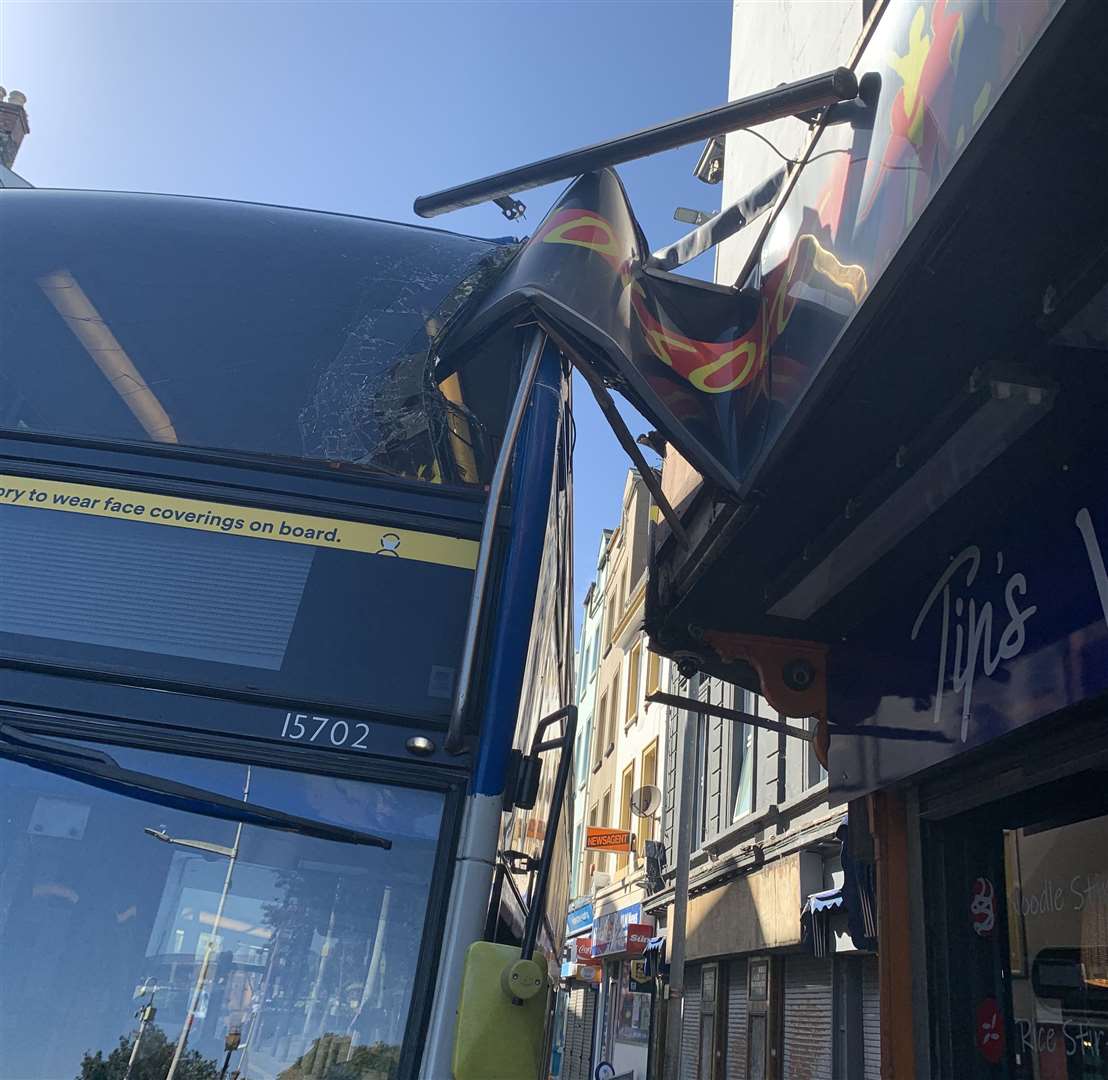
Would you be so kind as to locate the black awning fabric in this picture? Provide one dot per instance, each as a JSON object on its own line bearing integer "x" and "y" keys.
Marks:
{"x": 687, "y": 355}
{"x": 856, "y": 896}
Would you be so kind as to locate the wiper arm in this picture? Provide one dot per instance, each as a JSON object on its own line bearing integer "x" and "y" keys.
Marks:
{"x": 101, "y": 770}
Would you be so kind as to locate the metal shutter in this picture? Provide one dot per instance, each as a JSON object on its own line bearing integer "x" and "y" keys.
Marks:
{"x": 808, "y": 1027}
{"x": 690, "y": 1027}
{"x": 871, "y": 1019}
{"x": 580, "y": 1024}
{"x": 736, "y": 1020}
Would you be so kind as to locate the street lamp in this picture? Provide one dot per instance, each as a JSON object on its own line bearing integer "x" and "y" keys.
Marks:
{"x": 231, "y": 854}
{"x": 145, "y": 1016}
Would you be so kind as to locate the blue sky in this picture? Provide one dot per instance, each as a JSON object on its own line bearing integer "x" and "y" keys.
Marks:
{"x": 359, "y": 107}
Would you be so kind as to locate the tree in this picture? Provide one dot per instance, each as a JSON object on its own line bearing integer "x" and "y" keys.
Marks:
{"x": 155, "y": 1056}
{"x": 331, "y": 1058}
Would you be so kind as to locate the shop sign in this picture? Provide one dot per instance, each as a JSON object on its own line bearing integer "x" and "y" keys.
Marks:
{"x": 638, "y": 937}
{"x": 611, "y": 931}
{"x": 583, "y": 949}
{"x": 639, "y": 980}
{"x": 602, "y": 839}
{"x": 588, "y": 973}
{"x": 1006, "y": 626}
{"x": 579, "y": 919}
{"x": 983, "y": 907}
{"x": 990, "y": 1031}
{"x": 698, "y": 366}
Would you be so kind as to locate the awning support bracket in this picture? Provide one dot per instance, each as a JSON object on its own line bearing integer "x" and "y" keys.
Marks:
{"x": 631, "y": 448}
{"x": 696, "y": 705}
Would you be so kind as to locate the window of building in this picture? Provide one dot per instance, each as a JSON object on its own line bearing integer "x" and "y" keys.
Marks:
{"x": 700, "y": 793}
{"x": 742, "y": 759}
{"x": 591, "y": 860}
{"x": 633, "y": 664}
{"x": 606, "y": 821}
{"x": 613, "y": 710}
{"x": 814, "y": 772}
{"x": 595, "y": 651}
{"x": 653, "y": 673}
{"x": 601, "y": 725}
{"x": 648, "y": 777}
{"x": 626, "y": 787}
{"x": 623, "y": 587}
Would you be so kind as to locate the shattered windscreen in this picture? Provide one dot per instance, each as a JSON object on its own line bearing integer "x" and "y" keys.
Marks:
{"x": 250, "y": 329}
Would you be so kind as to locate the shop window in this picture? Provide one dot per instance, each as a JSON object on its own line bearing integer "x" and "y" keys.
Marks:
{"x": 633, "y": 664}
{"x": 627, "y": 786}
{"x": 1022, "y": 923}
{"x": 632, "y": 1010}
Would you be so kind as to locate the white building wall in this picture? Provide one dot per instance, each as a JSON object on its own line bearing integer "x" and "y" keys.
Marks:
{"x": 776, "y": 41}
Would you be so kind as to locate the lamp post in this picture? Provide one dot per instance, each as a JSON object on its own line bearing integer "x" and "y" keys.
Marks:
{"x": 145, "y": 1016}
{"x": 231, "y": 853}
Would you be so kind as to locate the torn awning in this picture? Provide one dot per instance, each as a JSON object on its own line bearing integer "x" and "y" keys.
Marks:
{"x": 682, "y": 352}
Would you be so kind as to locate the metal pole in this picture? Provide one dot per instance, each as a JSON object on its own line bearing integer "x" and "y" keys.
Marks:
{"x": 789, "y": 99}
{"x": 146, "y": 1014}
{"x": 685, "y": 790}
{"x": 455, "y": 740}
{"x": 179, "y": 1050}
{"x": 564, "y": 743}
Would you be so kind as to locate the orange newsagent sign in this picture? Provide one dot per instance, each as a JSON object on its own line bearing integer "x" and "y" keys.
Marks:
{"x": 600, "y": 839}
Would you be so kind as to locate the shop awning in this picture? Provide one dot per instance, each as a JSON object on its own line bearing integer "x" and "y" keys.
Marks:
{"x": 655, "y": 956}
{"x": 824, "y": 901}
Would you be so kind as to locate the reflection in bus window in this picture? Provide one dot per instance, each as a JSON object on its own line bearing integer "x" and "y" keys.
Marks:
{"x": 199, "y": 937}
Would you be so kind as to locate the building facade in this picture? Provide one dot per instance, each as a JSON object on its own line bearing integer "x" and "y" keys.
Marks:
{"x": 608, "y": 1011}
{"x": 776, "y": 983}
{"x": 916, "y": 560}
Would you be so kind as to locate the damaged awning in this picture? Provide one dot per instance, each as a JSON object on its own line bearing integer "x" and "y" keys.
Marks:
{"x": 682, "y": 352}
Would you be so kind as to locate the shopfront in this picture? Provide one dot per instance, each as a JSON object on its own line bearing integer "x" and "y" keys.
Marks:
{"x": 620, "y": 938}
{"x": 575, "y": 1023}
{"x": 1018, "y": 931}
{"x": 920, "y": 554}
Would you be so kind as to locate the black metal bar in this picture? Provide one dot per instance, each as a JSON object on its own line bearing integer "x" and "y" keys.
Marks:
{"x": 493, "y": 915}
{"x": 721, "y": 226}
{"x": 557, "y": 800}
{"x": 789, "y": 99}
{"x": 626, "y": 440}
{"x": 695, "y": 705}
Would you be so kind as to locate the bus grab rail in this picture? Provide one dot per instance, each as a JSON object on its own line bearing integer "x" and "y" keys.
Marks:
{"x": 455, "y": 735}
{"x": 564, "y": 743}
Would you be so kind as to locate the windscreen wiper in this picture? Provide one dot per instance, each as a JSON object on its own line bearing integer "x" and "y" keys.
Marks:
{"x": 101, "y": 770}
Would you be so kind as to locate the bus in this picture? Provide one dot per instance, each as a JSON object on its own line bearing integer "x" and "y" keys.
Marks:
{"x": 285, "y": 648}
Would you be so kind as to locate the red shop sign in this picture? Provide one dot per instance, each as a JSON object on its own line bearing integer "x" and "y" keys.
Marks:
{"x": 638, "y": 937}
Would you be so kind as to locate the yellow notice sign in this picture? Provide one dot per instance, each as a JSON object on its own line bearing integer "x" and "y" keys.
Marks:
{"x": 126, "y": 505}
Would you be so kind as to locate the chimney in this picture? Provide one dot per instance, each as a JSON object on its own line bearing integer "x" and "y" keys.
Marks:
{"x": 13, "y": 125}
